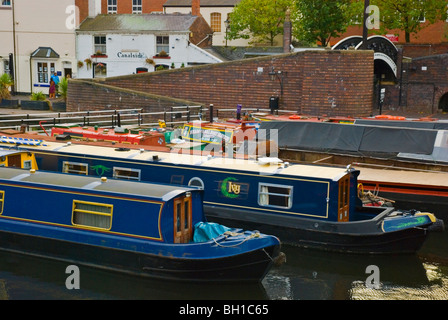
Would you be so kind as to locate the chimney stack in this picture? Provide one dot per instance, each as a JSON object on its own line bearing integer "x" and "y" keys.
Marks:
{"x": 196, "y": 7}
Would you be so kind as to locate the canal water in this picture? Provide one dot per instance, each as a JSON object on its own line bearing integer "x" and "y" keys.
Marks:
{"x": 307, "y": 275}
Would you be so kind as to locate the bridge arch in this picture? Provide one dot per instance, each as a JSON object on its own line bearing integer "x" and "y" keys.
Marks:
{"x": 385, "y": 52}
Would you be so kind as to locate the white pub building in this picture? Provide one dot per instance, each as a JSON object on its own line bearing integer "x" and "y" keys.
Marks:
{"x": 122, "y": 44}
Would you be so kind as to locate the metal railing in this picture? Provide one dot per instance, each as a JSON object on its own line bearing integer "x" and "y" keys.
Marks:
{"x": 174, "y": 116}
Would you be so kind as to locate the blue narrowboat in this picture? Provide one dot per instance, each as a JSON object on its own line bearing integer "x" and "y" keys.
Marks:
{"x": 313, "y": 206}
{"x": 145, "y": 229}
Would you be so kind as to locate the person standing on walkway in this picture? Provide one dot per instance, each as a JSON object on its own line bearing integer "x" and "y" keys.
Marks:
{"x": 55, "y": 78}
{"x": 52, "y": 91}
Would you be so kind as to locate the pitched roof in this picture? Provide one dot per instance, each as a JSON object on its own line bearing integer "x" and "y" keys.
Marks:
{"x": 44, "y": 52}
{"x": 138, "y": 22}
{"x": 204, "y": 3}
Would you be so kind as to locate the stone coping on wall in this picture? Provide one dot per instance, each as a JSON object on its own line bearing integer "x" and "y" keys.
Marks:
{"x": 97, "y": 83}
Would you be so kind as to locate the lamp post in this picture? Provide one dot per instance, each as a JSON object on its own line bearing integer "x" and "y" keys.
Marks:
{"x": 227, "y": 24}
{"x": 364, "y": 25}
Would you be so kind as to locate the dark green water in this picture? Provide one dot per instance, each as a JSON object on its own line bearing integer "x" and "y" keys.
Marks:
{"x": 307, "y": 275}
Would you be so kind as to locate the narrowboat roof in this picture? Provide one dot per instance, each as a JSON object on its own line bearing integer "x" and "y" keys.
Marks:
{"x": 5, "y": 152}
{"x": 159, "y": 191}
{"x": 204, "y": 161}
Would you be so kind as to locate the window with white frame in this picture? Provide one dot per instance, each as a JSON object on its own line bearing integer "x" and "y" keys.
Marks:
{"x": 274, "y": 195}
{"x": 126, "y": 173}
{"x": 215, "y": 21}
{"x": 75, "y": 167}
{"x": 162, "y": 44}
{"x": 99, "y": 44}
{"x": 44, "y": 71}
{"x": 111, "y": 6}
{"x": 6, "y": 66}
{"x": 136, "y": 6}
{"x": 100, "y": 70}
{"x": 5, "y": 3}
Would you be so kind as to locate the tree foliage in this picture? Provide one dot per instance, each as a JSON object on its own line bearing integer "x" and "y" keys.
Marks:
{"x": 407, "y": 15}
{"x": 261, "y": 20}
{"x": 319, "y": 20}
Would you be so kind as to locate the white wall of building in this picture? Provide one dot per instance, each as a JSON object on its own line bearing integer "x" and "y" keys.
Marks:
{"x": 127, "y": 52}
{"x": 42, "y": 23}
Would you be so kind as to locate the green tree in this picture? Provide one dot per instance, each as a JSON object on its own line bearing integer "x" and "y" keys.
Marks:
{"x": 261, "y": 20}
{"x": 5, "y": 83}
{"x": 407, "y": 15}
{"x": 320, "y": 20}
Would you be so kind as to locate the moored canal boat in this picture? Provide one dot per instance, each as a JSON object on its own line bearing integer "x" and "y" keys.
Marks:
{"x": 17, "y": 159}
{"x": 312, "y": 206}
{"x": 139, "y": 228}
{"x": 118, "y": 134}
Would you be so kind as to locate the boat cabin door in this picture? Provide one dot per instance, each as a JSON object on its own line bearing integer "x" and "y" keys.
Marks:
{"x": 15, "y": 161}
{"x": 343, "y": 201}
{"x": 183, "y": 232}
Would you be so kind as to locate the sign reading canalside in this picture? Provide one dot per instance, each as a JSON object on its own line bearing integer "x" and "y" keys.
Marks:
{"x": 136, "y": 55}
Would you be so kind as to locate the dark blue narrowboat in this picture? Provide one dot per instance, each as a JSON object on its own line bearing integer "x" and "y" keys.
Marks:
{"x": 313, "y": 206}
{"x": 145, "y": 229}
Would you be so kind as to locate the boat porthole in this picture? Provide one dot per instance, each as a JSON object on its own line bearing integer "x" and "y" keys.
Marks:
{"x": 196, "y": 182}
{"x": 316, "y": 225}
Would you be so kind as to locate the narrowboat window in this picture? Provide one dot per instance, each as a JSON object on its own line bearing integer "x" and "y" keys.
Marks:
{"x": 92, "y": 215}
{"x": 75, "y": 167}
{"x": 187, "y": 214}
{"x": 196, "y": 182}
{"x": 179, "y": 225}
{"x": 27, "y": 164}
{"x": 273, "y": 195}
{"x": 125, "y": 173}
{"x": 2, "y": 199}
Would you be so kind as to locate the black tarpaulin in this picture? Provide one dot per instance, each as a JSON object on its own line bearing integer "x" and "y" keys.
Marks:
{"x": 351, "y": 138}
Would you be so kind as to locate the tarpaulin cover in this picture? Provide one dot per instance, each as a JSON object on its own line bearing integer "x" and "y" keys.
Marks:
{"x": 205, "y": 231}
{"x": 351, "y": 138}
{"x": 436, "y": 125}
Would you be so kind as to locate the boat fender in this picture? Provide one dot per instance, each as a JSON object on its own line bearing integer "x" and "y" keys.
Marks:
{"x": 430, "y": 215}
{"x": 437, "y": 224}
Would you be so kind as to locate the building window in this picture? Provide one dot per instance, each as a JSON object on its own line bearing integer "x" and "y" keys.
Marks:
{"x": 127, "y": 174}
{"x": 6, "y": 3}
{"x": 99, "y": 70}
{"x": 215, "y": 21}
{"x": 44, "y": 71}
{"x": 273, "y": 195}
{"x": 99, "y": 45}
{"x": 111, "y": 6}
{"x": 92, "y": 215}
{"x": 75, "y": 167}
{"x": 6, "y": 66}
{"x": 136, "y": 6}
{"x": 162, "y": 44}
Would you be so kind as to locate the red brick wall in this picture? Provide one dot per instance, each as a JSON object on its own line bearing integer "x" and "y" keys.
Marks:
{"x": 125, "y": 6}
{"x": 91, "y": 95}
{"x": 424, "y": 88}
{"x": 314, "y": 82}
{"x": 431, "y": 33}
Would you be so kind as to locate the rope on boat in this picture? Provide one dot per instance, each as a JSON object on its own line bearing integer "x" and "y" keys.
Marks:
{"x": 373, "y": 198}
{"x": 234, "y": 234}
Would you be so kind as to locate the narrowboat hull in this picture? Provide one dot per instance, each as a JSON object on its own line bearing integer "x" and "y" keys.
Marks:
{"x": 366, "y": 237}
{"x": 249, "y": 266}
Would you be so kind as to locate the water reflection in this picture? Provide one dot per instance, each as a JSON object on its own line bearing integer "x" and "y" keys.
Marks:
{"x": 23, "y": 277}
{"x": 330, "y": 276}
{"x": 307, "y": 275}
